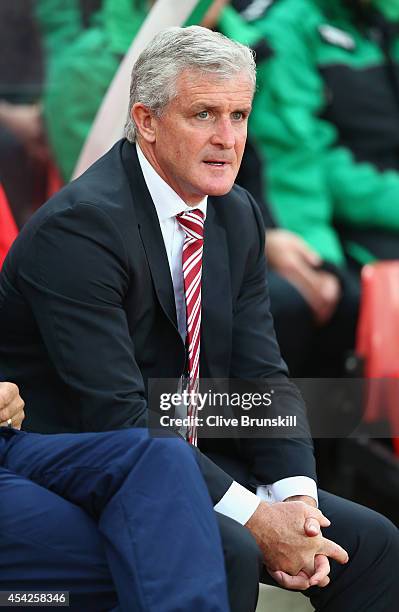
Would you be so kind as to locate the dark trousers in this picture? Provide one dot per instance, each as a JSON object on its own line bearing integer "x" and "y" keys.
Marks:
{"x": 119, "y": 500}
{"x": 310, "y": 350}
{"x": 368, "y": 583}
{"x": 151, "y": 557}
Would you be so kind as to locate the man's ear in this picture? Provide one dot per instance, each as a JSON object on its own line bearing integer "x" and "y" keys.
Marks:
{"x": 144, "y": 120}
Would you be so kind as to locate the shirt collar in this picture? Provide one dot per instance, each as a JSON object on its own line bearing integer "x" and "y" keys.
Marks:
{"x": 167, "y": 203}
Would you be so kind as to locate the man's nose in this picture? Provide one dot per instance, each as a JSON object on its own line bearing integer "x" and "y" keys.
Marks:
{"x": 224, "y": 134}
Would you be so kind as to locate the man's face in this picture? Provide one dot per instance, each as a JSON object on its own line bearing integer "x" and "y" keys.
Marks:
{"x": 199, "y": 140}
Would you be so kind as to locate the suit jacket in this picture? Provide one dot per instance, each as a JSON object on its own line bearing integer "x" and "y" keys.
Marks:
{"x": 87, "y": 311}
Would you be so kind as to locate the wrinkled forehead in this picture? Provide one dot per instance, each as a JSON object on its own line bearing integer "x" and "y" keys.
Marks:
{"x": 194, "y": 80}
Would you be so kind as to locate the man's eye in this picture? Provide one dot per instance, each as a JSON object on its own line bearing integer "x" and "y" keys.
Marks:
{"x": 237, "y": 115}
{"x": 203, "y": 115}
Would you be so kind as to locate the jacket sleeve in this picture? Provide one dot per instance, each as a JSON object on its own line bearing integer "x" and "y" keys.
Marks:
{"x": 74, "y": 275}
{"x": 216, "y": 479}
{"x": 362, "y": 194}
{"x": 256, "y": 360}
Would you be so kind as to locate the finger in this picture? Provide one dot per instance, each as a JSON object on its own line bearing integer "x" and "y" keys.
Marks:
{"x": 322, "y": 569}
{"x": 306, "y": 280}
{"x": 16, "y": 421}
{"x": 330, "y": 286}
{"x": 308, "y": 254}
{"x": 325, "y": 288}
{"x": 334, "y": 551}
{"x": 315, "y": 513}
{"x": 323, "y": 583}
{"x": 312, "y": 527}
{"x": 8, "y": 393}
{"x": 297, "y": 583}
{"x": 14, "y": 411}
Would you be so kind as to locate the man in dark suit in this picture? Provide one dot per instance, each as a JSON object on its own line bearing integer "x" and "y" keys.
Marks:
{"x": 94, "y": 297}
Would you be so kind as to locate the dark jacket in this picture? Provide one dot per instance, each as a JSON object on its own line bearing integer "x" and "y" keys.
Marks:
{"x": 87, "y": 312}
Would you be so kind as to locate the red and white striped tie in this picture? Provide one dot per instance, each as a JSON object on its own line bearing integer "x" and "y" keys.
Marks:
{"x": 192, "y": 223}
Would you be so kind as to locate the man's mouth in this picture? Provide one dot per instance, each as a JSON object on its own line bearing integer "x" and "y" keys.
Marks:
{"x": 218, "y": 164}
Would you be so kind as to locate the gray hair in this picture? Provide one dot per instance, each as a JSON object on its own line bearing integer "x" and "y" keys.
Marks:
{"x": 156, "y": 71}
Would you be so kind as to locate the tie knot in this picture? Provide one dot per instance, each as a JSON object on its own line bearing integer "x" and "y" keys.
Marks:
{"x": 192, "y": 222}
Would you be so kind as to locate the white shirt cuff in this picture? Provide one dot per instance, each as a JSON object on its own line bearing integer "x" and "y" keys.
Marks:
{"x": 238, "y": 503}
{"x": 287, "y": 487}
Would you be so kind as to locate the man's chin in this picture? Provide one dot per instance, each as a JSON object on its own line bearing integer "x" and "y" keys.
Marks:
{"x": 221, "y": 189}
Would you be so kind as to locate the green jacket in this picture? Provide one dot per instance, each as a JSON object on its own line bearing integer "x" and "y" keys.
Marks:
{"x": 328, "y": 142}
{"x": 81, "y": 64}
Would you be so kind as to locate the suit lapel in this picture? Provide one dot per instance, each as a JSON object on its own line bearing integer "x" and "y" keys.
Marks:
{"x": 216, "y": 296}
{"x": 150, "y": 233}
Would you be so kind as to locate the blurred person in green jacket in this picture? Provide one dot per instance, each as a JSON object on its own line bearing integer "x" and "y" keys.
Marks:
{"x": 326, "y": 120}
{"x": 326, "y": 125}
{"x": 81, "y": 63}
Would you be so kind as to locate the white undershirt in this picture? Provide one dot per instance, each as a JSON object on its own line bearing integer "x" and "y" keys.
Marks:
{"x": 238, "y": 503}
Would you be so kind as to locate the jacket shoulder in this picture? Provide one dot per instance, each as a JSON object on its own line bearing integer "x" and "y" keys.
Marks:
{"x": 104, "y": 186}
{"x": 241, "y": 199}
{"x": 240, "y": 215}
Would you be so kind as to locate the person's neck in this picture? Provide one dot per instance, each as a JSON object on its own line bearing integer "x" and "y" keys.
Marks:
{"x": 151, "y": 159}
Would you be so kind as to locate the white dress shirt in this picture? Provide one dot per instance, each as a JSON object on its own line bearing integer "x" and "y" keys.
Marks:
{"x": 238, "y": 503}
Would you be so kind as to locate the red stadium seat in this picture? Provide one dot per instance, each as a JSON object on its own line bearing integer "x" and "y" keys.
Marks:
{"x": 54, "y": 180}
{"x": 8, "y": 228}
{"x": 378, "y": 342}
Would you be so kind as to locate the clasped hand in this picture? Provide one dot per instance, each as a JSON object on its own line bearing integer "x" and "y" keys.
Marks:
{"x": 295, "y": 552}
